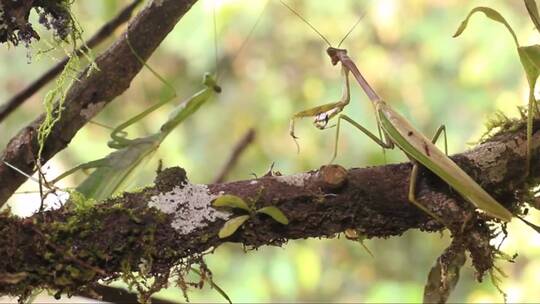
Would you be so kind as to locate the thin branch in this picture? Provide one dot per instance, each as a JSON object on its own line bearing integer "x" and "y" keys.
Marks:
{"x": 106, "y": 30}
{"x": 239, "y": 148}
{"x": 86, "y": 97}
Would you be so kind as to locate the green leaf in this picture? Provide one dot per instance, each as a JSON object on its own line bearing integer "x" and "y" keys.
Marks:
{"x": 231, "y": 201}
{"x": 530, "y": 59}
{"x": 230, "y": 227}
{"x": 532, "y": 8}
{"x": 275, "y": 213}
{"x": 491, "y": 14}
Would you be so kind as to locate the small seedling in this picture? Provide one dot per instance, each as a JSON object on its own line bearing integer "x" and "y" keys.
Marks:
{"x": 235, "y": 202}
{"x": 529, "y": 57}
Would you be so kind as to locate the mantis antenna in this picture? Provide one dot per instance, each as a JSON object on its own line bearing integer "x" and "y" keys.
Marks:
{"x": 307, "y": 22}
{"x": 351, "y": 30}
{"x": 251, "y": 31}
{"x": 244, "y": 43}
{"x": 319, "y": 33}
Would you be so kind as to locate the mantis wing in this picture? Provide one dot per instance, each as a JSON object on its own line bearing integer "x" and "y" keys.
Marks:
{"x": 116, "y": 167}
{"x": 418, "y": 147}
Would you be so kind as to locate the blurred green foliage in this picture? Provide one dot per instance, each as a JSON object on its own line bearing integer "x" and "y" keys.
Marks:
{"x": 405, "y": 50}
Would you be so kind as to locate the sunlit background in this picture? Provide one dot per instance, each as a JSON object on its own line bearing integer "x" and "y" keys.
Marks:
{"x": 406, "y": 51}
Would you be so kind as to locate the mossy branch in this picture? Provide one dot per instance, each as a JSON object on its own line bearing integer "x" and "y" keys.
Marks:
{"x": 164, "y": 229}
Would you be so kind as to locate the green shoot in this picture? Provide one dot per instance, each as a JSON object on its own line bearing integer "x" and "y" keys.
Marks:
{"x": 529, "y": 57}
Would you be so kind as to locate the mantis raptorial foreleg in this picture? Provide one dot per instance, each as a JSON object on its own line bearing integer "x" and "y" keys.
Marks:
{"x": 324, "y": 112}
{"x": 88, "y": 165}
{"x": 118, "y": 135}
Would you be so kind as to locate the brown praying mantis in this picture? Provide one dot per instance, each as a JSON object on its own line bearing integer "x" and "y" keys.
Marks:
{"x": 397, "y": 131}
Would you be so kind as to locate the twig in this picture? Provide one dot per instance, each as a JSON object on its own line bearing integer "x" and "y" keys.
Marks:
{"x": 106, "y": 30}
{"x": 239, "y": 148}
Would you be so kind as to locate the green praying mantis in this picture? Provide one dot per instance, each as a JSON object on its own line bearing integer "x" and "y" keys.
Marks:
{"x": 112, "y": 171}
{"x": 397, "y": 131}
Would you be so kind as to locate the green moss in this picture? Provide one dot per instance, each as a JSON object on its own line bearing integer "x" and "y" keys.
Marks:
{"x": 78, "y": 202}
{"x": 55, "y": 97}
{"x": 57, "y": 93}
{"x": 81, "y": 241}
{"x": 499, "y": 122}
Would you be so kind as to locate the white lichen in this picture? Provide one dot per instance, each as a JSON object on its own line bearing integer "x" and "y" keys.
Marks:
{"x": 253, "y": 182}
{"x": 297, "y": 180}
{"x": 190, "y": 206}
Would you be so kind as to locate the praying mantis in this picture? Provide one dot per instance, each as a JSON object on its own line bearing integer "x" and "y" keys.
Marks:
{"x": 397, "y": 131}
{"x": 112, "y": 171}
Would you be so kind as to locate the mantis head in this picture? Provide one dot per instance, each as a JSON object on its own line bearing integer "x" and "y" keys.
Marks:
{"x": 210, "y": 81}
{"x": 335, "y": 54}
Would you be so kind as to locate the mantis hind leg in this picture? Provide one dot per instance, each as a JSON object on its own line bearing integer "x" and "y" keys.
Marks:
{"x": 441, "y": 130}
{"x": 412, "y": 193}
{"x": 385, "y": 144}
{"x": 414, "y": 176}
{"x": 379, "y": 129}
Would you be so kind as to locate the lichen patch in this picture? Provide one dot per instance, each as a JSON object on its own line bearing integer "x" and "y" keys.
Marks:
{"x": 190, "y": 206}
{"x": 297, "y": 180}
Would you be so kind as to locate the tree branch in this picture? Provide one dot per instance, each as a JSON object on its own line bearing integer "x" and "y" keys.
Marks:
{"x": 172, "y": 224}
{"x": 105, "y": 31}
{"x": 86, "y": 97}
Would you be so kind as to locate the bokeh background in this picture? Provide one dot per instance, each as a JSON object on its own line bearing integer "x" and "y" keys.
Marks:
{"x": 406, "y": 51}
